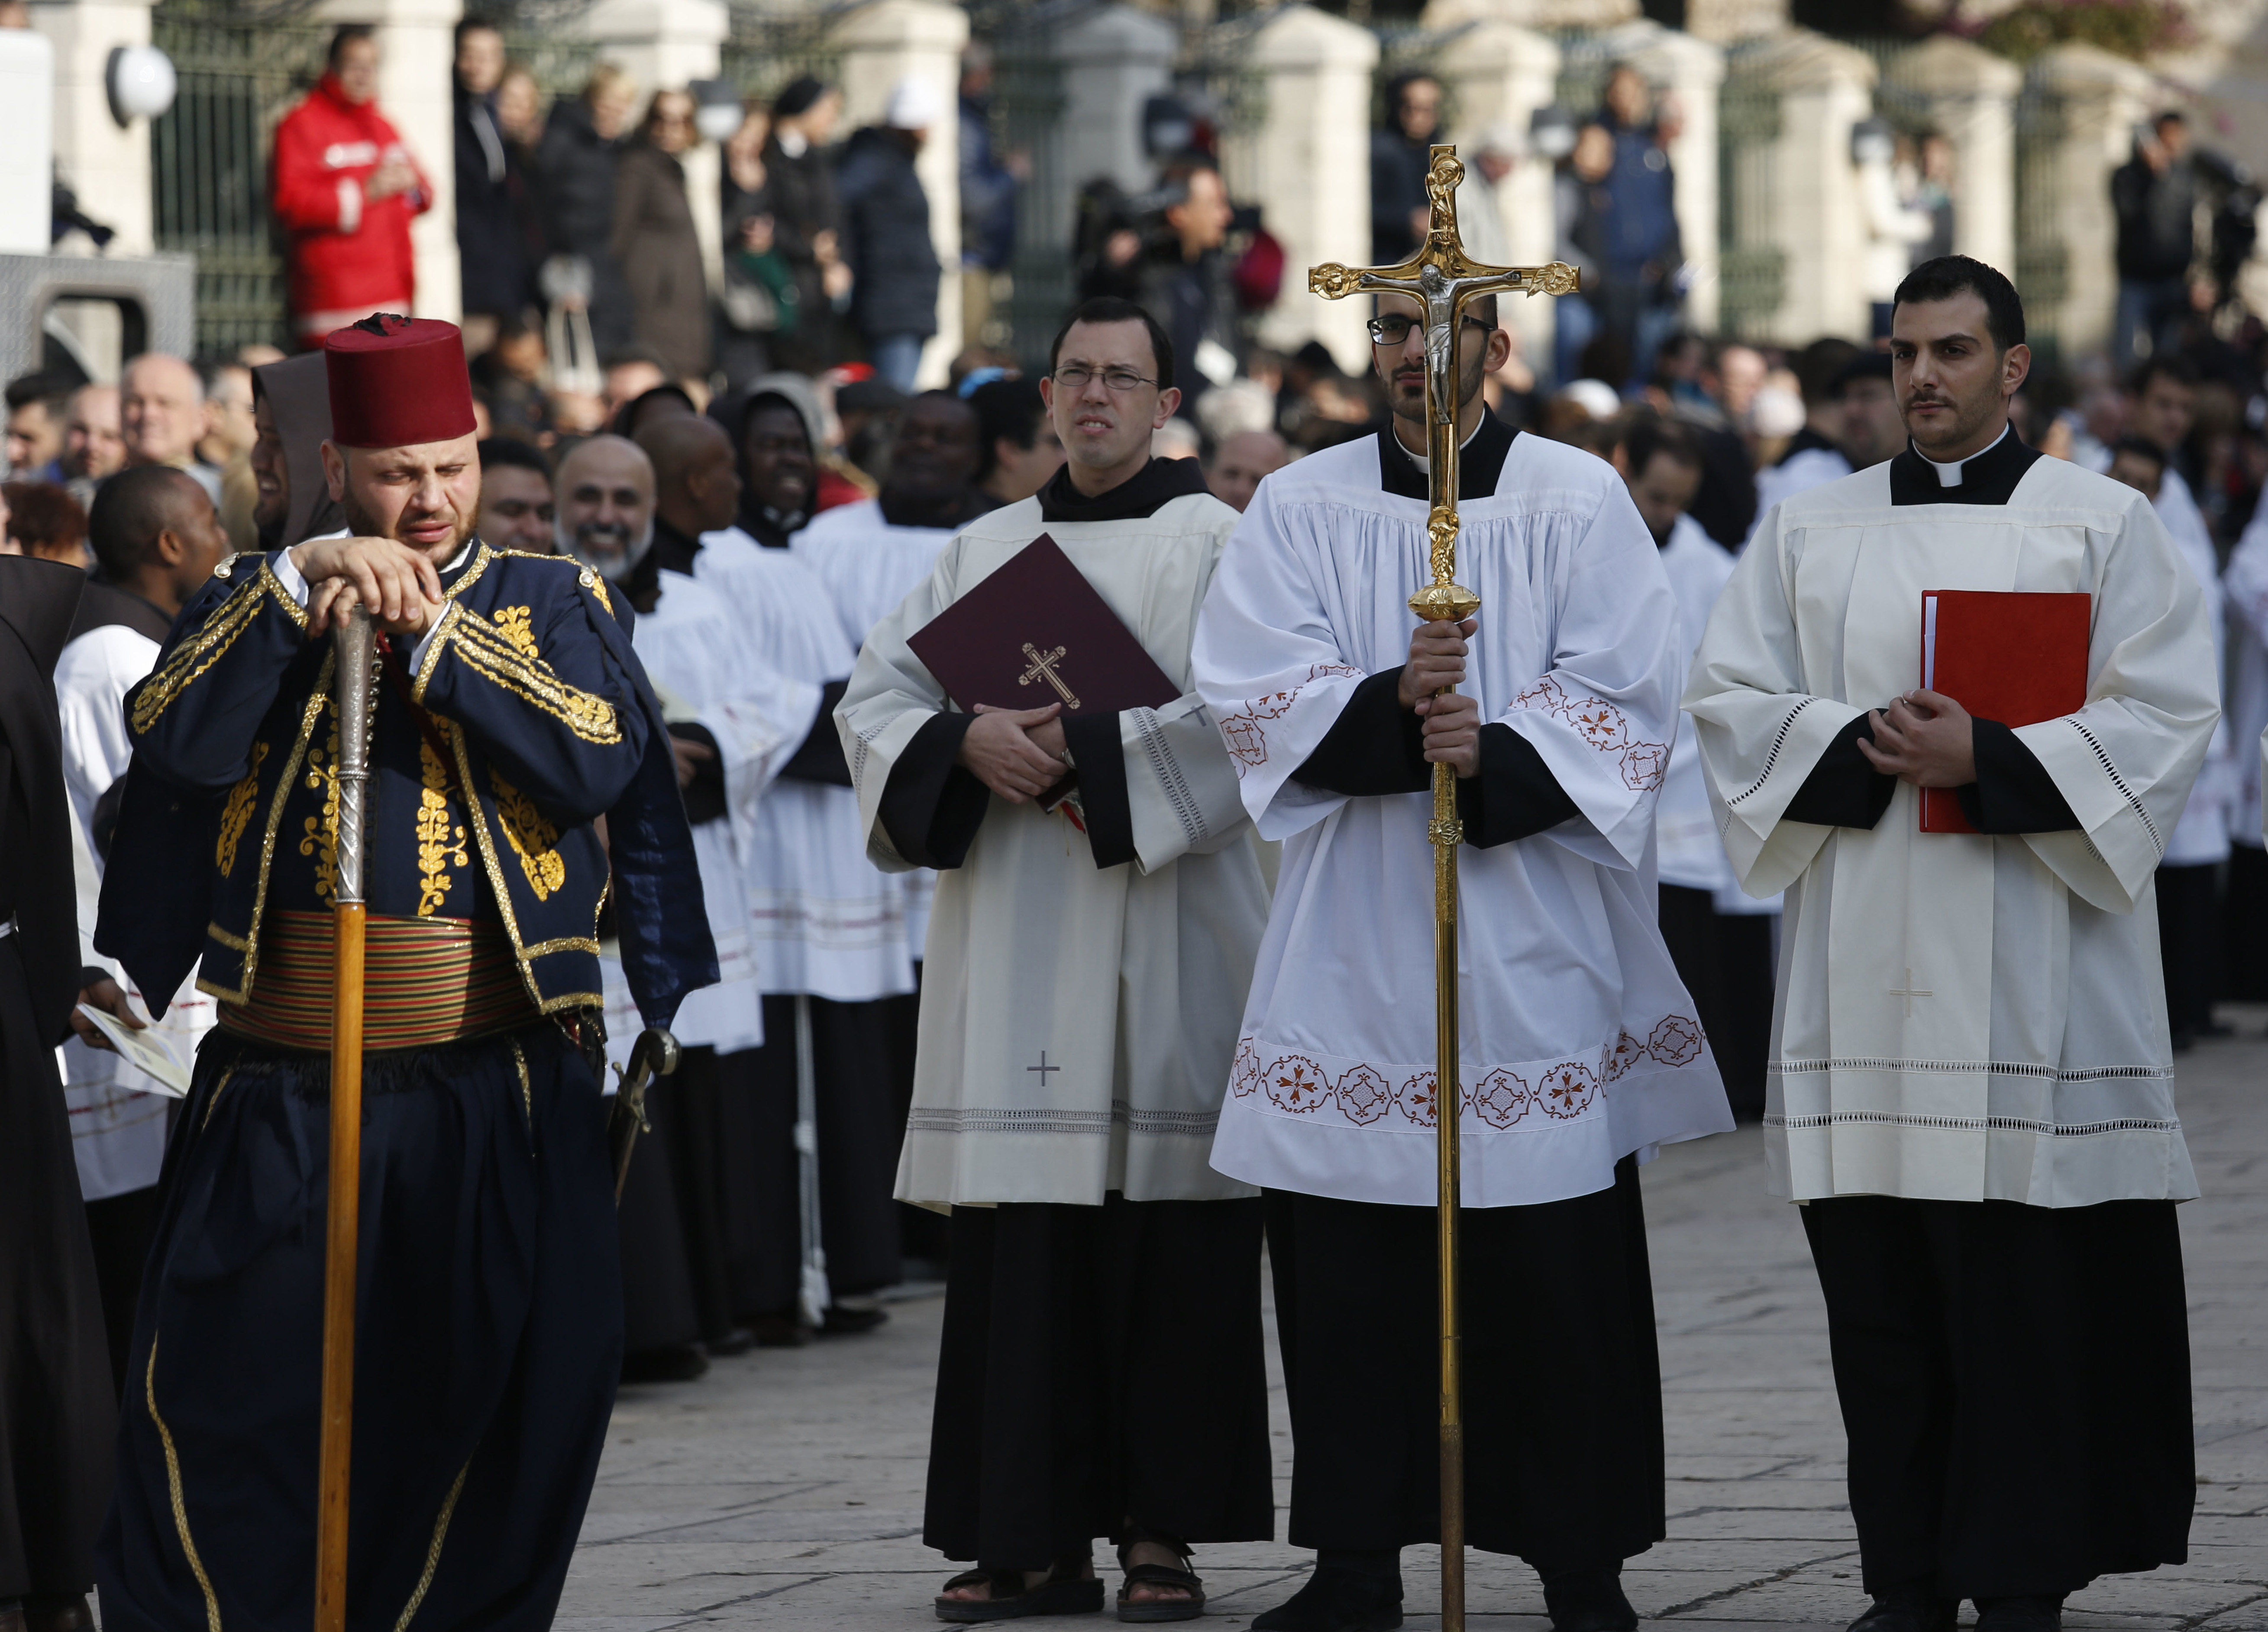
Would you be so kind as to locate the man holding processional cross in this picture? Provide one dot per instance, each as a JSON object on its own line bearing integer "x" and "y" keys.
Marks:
{"x": 1577, "y": 1051}
{"x": 507, "y": 718}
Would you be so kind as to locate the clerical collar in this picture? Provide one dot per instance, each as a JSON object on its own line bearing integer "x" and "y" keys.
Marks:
{"x": 1804, "y": 441}
{"x": 772, "y": 528}
{"x": 673, "y": 551}
{"x": 1989, "y": 477}
{"x": 1142, "y": 494}
{"x": 953, "y": 510}
{"x": 1480, "y": 463}
{"x": 1948, "y": 472}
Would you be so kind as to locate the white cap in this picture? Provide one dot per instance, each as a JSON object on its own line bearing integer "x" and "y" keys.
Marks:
{"x": 915, "y": 105}
{"x": 1595, "y": 397}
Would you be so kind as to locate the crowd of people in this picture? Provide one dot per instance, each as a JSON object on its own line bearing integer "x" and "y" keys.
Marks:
{"x": 746, "y": 502}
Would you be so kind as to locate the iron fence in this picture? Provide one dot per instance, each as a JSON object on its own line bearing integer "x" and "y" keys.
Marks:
{"x": 1751, "y": 268}
{"x": 2042, "y": 269}
{"x": 208, "y": 159}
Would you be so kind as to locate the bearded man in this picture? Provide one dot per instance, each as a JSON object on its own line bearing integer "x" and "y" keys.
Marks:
{"x": 511, "y": 717}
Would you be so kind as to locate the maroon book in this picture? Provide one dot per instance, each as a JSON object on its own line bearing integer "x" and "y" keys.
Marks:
{"x": 1035, "y": 633}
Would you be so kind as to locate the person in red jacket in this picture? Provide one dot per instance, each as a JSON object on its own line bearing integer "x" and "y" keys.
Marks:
{"x": 346, "y": 189}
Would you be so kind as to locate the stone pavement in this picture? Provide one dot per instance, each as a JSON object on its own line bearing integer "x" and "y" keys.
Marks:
{"x": 785, "y": 1489}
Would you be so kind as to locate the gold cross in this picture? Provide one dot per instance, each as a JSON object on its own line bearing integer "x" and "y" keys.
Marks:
{"x": 1910, "y": 992}
{"x": 1442, "y": 277}
{"x": 1043, "y": 668}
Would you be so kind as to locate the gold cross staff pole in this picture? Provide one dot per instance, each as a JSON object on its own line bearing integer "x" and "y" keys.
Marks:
{"x": 1442, "y": 279}
{"x": 356, "y": 680}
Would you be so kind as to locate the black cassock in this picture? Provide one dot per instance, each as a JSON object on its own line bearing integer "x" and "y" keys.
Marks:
{"x": 56, "y": 1403}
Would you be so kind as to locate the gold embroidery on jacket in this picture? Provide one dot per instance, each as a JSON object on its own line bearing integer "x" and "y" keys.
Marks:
{"x": 495, "y": 655}
{"x": 197, "y": 654}
{"x": 438, "y": 850}
{"x": 531, "y": 837}
{"x": 320, "y": 834}
{"x": 237, "y": 813}
{"x": 513, "y": 622}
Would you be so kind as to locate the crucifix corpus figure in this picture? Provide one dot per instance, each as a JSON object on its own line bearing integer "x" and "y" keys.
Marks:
{"x": 1358, "y": 751}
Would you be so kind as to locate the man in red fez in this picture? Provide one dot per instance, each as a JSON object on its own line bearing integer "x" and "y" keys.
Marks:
{"x": 511, "y": 717}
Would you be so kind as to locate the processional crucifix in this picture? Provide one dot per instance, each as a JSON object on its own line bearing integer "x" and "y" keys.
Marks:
{"x": 1442, "y": 279}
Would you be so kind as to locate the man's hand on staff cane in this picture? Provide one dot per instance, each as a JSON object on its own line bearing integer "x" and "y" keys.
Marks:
{"x": 399, "y": 584}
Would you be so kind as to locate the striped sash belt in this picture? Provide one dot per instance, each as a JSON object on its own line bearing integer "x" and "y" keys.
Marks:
{"x": 426, "y": 981}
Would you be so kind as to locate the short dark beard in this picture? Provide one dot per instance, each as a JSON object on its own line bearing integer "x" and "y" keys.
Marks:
{"x": 1470, "y": 377}
{"x": 362, "y": 524}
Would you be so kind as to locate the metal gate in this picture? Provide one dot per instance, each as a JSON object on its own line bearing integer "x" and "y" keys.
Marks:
{"x": 2042, "y": 258}
{"x": 1751, "y": 268}
{"x": 209, "y": 162}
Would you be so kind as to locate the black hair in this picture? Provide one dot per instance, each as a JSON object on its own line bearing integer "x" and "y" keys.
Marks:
{"x": 2167, "y": 365}
{"x": 51, "y": 391}
{"x": 2170, "y": 116}
{"x": 1649, "y": 437}
{"x": 1866, "y": 365}
{"x": 1818, "y": 363}
{"x": 1111, "y": 309}
{"x": 130, "y": 509}
{"x": 344, "y": 35}
{"x": 2141, "y": 448}
{"x": 473, "y": 26}
{"x": 510, "y": 450}
{"x": 1947, "y": 275}
{"x": 1007, "y": 411}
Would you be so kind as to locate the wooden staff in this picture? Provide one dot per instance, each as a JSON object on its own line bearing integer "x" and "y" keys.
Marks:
{"x": 353, "y": 695}
{"x": 1442, "y": 279}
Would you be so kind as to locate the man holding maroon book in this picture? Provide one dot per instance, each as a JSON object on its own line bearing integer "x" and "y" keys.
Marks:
{"x": 1972, "y": 1087}
{"x": 1086, "y": 962}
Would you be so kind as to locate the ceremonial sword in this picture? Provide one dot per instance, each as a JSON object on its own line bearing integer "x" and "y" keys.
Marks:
{"x": 1442, "y": 279}
{"x": 654, "y": 1054}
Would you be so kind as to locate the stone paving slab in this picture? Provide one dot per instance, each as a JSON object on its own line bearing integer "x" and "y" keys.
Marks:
{"x": 785, "y": 1489}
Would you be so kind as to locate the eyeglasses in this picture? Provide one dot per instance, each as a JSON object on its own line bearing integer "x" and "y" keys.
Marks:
{"x": 1074, "y": 376}
{"x": 1394, "y": 328}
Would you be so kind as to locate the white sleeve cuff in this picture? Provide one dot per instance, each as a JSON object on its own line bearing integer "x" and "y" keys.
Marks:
{"x": 351, "y": 212}
{"x": 288, "y": 574}
{"x": 414, "y": 658}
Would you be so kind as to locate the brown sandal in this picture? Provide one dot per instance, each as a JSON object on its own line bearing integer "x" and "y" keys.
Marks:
{"x": 1159, "y": 1576}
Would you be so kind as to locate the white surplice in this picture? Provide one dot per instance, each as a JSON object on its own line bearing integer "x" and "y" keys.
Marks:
{"x": 1076, "y": 1022}
{"x": 2245, "y": 586}
{"x": 869, "y": 566}
{"x": 1579, "y": 1046}
{"x": 706, "y": 671}
{"x": 1688, "y": 852}
{"x": 1799, "y": 473}
{"x": 821, "y": 920}
{"x": 1962, "y": 1017}
{"x": 117, "y": 1120}
{"x": 2200, "y": 838}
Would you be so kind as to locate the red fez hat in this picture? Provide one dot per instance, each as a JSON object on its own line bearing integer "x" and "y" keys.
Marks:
{"x": 397, "y": 380}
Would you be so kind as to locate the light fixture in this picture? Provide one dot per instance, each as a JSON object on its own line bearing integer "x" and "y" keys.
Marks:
{"x": 140, "y": 81}
{"x": 716, "y": 109}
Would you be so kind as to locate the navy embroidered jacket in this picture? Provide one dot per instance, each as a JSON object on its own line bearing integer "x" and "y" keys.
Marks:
{"x": 527, "y": 718}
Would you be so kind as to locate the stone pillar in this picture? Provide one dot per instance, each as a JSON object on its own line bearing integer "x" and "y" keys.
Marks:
{"x": 1688, "y": 71}
{"x": 1971, "y": 95}
{"x": 108, "y": 168}
{"x": 1497, "y": 74}
{"x": 2104, "y": 97}
{"x": 1114, "y": 59}
{"x": 665, "y": 45}
{"x": 1309, "y": 169}
{"x": 1812, "y": 213}
{"x": 415, "y": 77}
{"x": 881, "y": 44}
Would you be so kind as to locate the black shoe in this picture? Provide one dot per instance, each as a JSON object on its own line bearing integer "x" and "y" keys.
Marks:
{"x": 739, "y": 1340}
{"x": 1587, "y": 1600}
{"x": 849, "y": 1317}
{"x": 673, "y": 1362}
{"x": 1336, "y": 1600}
{"x": 779, "y": 1331}
{"x": 66, "y": 1613}
{"x": 2020, "y": 1614}
{"x": 1908, "y": 1609}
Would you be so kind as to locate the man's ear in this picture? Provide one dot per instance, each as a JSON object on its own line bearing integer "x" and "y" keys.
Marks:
{"x": 1499, "y": 348}
{"x": 1168, "y": 401}
{"x": 335, "y": 471}
{"x": 2015, "y": 368}
{"x": 169, "y": 548}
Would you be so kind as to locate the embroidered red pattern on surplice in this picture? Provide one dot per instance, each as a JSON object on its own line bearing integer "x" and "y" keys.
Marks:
{"x": 1626, "y": 1052}
{"x": 1604, "y": 728}
{"x": 1500, "y": 1098}
{"x": 1240, "y": 732}
{"x": 1364, "y": 1095}
{"x": 1296, "y": 1083}
{"x": 1418, "y": 1100}
{"x": 1244, "y": 1071}
{"x": 1676, "y": 1041}
{"x": 1567, "y": 1090}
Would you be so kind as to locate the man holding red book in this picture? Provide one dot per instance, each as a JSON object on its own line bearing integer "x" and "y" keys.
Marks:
{"x": 1972, "y": 1087}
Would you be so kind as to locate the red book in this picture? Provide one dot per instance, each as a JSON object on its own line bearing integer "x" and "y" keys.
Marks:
{"x": 2017, "y": 658}
{"x": 1036, "y": 632}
